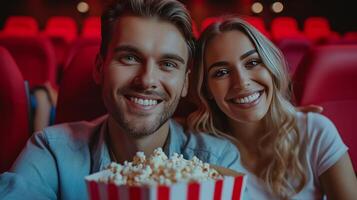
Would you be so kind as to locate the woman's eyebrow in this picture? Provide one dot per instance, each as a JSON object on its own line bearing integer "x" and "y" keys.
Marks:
{"x": 248, "y": 53}
{"x": 217, "y": 64}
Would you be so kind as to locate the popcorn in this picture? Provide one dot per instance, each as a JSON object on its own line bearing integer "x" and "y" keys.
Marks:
{"x": 158, "y": 169}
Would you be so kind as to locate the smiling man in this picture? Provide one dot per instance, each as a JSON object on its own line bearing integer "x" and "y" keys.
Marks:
{"x": 147, "y": 46}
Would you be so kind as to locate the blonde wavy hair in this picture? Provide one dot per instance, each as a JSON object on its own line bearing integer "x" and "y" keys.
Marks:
{"x": 285, "y": 173}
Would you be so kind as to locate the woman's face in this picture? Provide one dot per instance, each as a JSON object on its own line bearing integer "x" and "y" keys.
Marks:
{"x": 237, "y": 79}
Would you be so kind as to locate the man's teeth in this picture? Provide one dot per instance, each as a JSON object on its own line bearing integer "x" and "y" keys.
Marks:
{"x": 248, "y": 99}
{"x": 144, "y": 102}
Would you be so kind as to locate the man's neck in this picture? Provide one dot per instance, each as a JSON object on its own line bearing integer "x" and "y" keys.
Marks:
{"x": 124, "y": 146}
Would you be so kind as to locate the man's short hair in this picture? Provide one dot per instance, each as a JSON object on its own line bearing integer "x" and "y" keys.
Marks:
{"x": 170, "y": 11}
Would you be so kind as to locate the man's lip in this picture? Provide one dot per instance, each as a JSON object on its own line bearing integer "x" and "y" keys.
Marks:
{"x": 141, "y": 96}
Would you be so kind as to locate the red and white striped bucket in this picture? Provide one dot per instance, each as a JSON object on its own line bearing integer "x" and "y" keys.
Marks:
{"x": 226, "y": 189}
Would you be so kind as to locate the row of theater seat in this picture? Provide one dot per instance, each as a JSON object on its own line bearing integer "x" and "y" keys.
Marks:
{"x": 62, "y": 26}
{"x": 326, "y": 76}
{"x": 60, "y": 30}
{"x": 59, "y": 40}
{"x": 317, "y": 29}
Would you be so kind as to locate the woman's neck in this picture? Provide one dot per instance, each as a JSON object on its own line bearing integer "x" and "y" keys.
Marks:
{"x": 247, "y": 133}
{"x": 248, "y": 137}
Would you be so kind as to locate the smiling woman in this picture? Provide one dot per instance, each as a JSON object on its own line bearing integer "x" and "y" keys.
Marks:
{"x": 242, "y": 92}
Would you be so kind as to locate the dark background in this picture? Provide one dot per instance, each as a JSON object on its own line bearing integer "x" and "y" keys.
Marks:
{"x": 342, "y": 14}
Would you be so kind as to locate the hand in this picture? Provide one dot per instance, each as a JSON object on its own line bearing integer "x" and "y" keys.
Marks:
{"x": 310, "y": 108}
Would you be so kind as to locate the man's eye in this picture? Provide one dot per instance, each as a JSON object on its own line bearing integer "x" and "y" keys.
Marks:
{"x": 129, "y": 59}
{"x": 252, "y": 63}
{"x": 220, "y": 73}
{"x": 167, "y": 65}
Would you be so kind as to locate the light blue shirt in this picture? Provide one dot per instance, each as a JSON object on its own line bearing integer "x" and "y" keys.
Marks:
{"x": 55, "y": 161}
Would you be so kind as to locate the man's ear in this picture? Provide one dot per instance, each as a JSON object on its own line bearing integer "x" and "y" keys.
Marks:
{"x": 186, "y": 84}
{"x": 98, "y": 69}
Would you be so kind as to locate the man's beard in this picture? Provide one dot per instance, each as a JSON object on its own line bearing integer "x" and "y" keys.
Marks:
{"x": 137, "y": 129}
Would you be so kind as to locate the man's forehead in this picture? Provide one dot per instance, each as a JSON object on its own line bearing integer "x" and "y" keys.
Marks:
{"x": 149, "y": 35}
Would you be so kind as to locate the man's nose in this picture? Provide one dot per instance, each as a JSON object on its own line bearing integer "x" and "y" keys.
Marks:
{"x": 147, "y": 77}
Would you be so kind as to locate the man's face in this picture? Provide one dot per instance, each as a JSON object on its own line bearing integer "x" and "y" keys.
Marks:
{"x": 144, "y": 74}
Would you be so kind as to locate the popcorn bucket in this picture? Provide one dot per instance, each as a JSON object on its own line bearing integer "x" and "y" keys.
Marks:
{"x": 230, "y": 187}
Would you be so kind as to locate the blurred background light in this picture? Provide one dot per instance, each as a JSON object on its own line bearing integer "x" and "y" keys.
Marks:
{"x": 82, "y": 7}
{"x": 277, "y": 7}
{"x": 257, "y": 7}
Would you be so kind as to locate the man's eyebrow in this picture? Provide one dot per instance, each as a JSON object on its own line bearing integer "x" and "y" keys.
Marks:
{"x": 133, "y": 49}
{"x": 174, "y": 57}
{"x": 217, "y": 64}
{"x": 248, "y": 53}
{"x": 128, "y": 48}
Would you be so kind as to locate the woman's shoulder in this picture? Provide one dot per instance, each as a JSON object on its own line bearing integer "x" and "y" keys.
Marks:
{"x": 314, "y": 122}
{"x": 318, "y": 130}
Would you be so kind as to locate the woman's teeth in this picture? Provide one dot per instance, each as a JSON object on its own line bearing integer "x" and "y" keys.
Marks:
{"x": 247, "y": 99}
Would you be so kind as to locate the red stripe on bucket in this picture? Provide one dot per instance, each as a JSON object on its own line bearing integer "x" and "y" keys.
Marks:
{"x": 163, "y": 193}
{"x": 237, "y": 187}
{"x": 193, "y": 191}
{"x": 113, "y": 192}
{"x": 134, "y": 193}
{"x": 218, "y": 190}
{"x": 94, "y": 190}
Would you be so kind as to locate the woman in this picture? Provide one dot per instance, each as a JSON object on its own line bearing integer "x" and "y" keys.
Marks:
{"x": 242, "y": 92}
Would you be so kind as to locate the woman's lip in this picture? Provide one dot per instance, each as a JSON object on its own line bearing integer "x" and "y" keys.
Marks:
{"x": 246, "y": 94}
{"x": 251, "y": 104}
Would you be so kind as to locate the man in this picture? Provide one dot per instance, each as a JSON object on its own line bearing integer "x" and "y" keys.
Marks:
{"x": 147, "y": 46}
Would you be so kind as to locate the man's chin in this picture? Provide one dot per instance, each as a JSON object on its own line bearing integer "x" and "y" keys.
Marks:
{"x": 140, "y": 128}
{"x": 139, "y": 132}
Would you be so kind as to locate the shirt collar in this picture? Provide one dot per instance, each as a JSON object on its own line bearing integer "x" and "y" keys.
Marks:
{"x": 100, "y": 153}
{"x": 176, "y": 139}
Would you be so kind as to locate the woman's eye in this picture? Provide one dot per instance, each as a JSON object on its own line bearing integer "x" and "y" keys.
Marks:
{"x": 221, "y": 73}
{"x": 253, "y": 63}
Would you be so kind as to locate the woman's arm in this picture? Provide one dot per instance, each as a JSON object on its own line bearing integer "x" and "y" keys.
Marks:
{"x": 339, "y": 181}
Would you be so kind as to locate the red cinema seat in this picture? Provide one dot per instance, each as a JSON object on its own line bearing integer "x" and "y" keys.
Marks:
{"x": 326, "y": 73}
{"x": 62, "y": 31}
{"x": 34, "y": 56}
{"x": 61, "y": 26}
{"x": 21, "y": 26}
{"x": 348, "y": 38}
{"x": 259, "y": 24}
{"x": 294, "y": 49}
{"x": 14, "y": 109}
{"x": 79, "y": 45}
{"x": 352, "y": 35}
{"x": 79, "y": 97}
{"x": 91, "y": 27}
{"x": 285, "y": 27}
{"x": 318, "y": 30}
{"x": 327, "y": 76}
